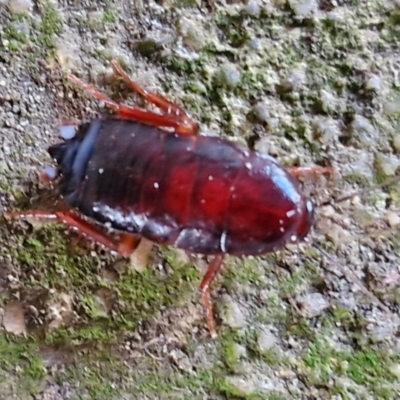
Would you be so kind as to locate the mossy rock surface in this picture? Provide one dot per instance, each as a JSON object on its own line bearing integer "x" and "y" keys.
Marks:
{"x": 311, "y": 83}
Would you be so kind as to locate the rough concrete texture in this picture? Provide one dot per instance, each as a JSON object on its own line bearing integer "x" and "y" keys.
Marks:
{"x": 309, "y": 82}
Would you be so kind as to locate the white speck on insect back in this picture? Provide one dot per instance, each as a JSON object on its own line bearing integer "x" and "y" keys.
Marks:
{"x": 101, "y": 170}
{"x": 282, "y": 229}
{"x": 222, "y": 242}
{"x": 156, "y": 185}
{"x": 96, "y": 209}
{"x": 293, "y": 238}
{"x": 188, "y": 148}
{"x": 290, "y": 213}
{"x": 281, "y": 221}
{"x": 210, "y": 178}
{"x": 248, "y": 165}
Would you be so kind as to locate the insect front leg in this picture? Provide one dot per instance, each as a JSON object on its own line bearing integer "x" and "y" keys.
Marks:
{"x": 213, "y": 269}
{"x": 173, "y": 117}
{"x": 188, "y": 125}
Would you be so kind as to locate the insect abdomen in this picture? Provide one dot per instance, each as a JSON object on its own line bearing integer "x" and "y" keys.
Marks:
{"x": 202, "y": 194}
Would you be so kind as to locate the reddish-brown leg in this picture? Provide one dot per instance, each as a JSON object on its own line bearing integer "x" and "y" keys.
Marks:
{"x": 212, "y": 271}
{"x": 125, "y": 246}
{"x": 127, "y": 243}
{"x": 297, "y": 171}
{"x": 166, "y": 105}
{"x": 173, "y": 116}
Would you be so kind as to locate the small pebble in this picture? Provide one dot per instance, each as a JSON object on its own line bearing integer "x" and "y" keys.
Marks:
{"x": 393, "y": 218}
{"x": 95, "y": 18}
{"x": 13, "y": 318}
{"x": 243, "y": 386}
{"x": 230, "y": 75}
{"x": 388, "y": 163}
{"x": 100, "y": 305}
{"x": 59, "y": 309}
{"x": 253, "y": 8}
{"x": 395, "y": 370}
{"x": 392, "y": 106}
{"x": 266, "y": 340}
{"x": 374, "y": 83}
{"x": 181, "y": 360}
{"x": 328, "y": 101}
{"x": 296, "y": 79}
{"x": 363, "y": 131}
{"x": 304, "y": 8}
{"x": 362, "y": 124}
{"x": 67, "y": 52}
{"x": 248, "y": 385}
{"x": 238, "y": 351}
{"x": 312, "y": 304}
{"x": 396, "y": 142}
{"x": 261, "y": 111}
{"x": 255, "y": 44}
{"x": 20, "y": 6}
{"x": 193, "y": 36}
{"x": 381, "y": 332}
{"x": 233, "y": 315}
{"x": 22, "y": 28}
{"x": 326, "y": 129}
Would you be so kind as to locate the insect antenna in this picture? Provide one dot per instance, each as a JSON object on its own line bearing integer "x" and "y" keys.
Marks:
{"x": 361, "y": 192}
{"x": 335, "y": 264}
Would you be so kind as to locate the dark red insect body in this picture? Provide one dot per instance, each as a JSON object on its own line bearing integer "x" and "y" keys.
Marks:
{"x": 201, "y": 194}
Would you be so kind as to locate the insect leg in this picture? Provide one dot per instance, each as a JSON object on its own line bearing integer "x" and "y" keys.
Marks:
{"x": 297, "y": 171}
{"x": 183, "y": 126}
{"x": 94, "y": 92}
{"x": 126, "y": 244}
{"x": 212, "y": 271}
{"x": 167, "y": 106}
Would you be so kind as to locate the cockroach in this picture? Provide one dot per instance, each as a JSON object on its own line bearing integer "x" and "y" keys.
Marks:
{"x": 151, "y": 175}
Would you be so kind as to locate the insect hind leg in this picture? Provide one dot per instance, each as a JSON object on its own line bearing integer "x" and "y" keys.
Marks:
{"x": 125, "y": 245}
